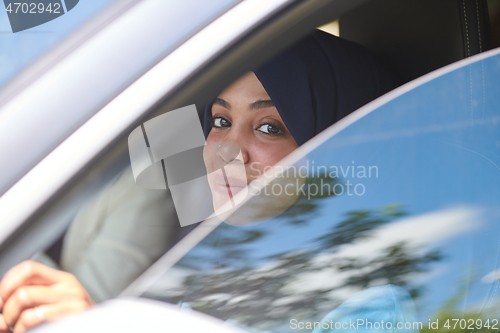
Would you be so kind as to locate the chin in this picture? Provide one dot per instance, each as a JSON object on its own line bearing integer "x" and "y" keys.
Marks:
{"x": 258, "y": 203}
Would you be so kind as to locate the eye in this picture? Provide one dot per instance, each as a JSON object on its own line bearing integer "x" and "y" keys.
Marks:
{"x": 270, "y": 129}
{"x": 220, "y": 122}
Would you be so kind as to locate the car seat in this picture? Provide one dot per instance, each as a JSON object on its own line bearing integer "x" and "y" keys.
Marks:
{"x": 415, "y": 37}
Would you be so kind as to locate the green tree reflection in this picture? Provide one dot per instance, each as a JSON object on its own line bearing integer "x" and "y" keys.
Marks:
{"x": 226, "y": 282}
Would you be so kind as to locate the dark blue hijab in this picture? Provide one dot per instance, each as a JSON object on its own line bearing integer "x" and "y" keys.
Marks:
{"x": 318, "y": 81}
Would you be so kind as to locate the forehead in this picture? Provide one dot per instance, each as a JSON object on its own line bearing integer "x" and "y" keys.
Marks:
{"x": 246, "y": 88}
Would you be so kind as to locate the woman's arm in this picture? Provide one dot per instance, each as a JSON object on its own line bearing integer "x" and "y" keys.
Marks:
{"x": 32, "y": 293}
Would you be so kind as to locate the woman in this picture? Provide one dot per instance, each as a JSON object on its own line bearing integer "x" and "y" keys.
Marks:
{"x": 266, "y": 114}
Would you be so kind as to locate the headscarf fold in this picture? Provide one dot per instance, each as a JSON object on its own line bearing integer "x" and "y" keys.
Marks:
{"x": 318, "y": 81}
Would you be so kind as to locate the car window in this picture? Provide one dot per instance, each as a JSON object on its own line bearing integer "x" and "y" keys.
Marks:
{"x": 398, "y": 222}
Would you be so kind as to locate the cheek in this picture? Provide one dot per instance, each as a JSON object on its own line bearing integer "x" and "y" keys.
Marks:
{"x": 215, "y": 136}
{"x": 267, "y": 155}
{"x": 208, "y": 153}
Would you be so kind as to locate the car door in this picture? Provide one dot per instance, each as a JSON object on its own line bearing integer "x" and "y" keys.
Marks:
{"x": 374, "y": 190}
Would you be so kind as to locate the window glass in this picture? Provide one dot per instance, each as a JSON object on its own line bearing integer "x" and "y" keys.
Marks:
{"x": 398, "y": 222}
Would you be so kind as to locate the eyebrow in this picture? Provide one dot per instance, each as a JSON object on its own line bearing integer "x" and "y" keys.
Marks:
{"x": 264, "y": 103}
{"x": 223, "y": 103}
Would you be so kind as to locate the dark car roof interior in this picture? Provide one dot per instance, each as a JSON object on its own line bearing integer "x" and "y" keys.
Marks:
{"x": 415, "y": 37}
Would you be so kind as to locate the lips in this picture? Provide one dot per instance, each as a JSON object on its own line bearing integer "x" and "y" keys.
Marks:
{"x": 233, "y": 184}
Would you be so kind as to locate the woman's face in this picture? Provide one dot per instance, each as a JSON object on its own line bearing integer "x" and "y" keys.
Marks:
{"x": 244, "y": 117}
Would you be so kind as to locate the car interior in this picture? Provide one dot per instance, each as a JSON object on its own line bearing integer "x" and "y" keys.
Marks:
{"x": 413, "y": 37}
{"x": 429, "y": 34}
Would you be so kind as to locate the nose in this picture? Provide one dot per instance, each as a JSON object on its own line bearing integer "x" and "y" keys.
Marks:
{"x": 228, "y": 151}
{"x": 234, "y": 146}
